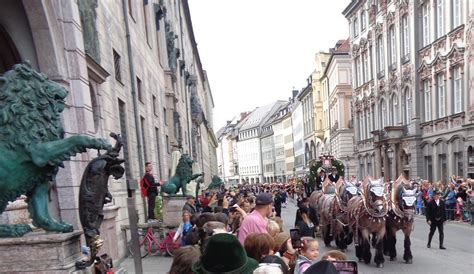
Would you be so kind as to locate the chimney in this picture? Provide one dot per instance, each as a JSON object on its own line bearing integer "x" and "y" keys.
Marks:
{"x": 295, "y": 93}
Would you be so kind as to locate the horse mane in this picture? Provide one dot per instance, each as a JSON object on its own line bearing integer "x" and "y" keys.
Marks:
{"x": 397, "y": 188}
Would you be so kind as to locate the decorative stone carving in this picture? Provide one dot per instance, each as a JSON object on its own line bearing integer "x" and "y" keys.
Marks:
{"x": 439, "y": 64}
{"x": 390, "y": 18}
{"x": 393, "y": 80}
{"x": 372, "y": 11}
{"x": 457, "y": 36}
{"x": 456, "y": 56}
{"x": 173, "y": 52}
{"x": 425, "y": 53}
{"x": 355, "y": 50}
{"x": 363, "y": 44}
{"x": 424, "y": 71}
{"x": 383, "y": 6}
{"x": 406, "y": 74}
{"x": 378, "y": 29}
{"x": 370, "y": 38}
{"x": 440, "y": 45}
{"x": 88, "y": 14}
{"x": 381, "y": 87}
{"x": 402, "y": 7}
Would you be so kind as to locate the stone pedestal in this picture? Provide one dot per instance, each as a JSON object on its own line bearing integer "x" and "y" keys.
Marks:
{"x": 108, "y": 233}
{"x": 40, "y": 252}
{"x": 172, "y": 210}
{"x": 16, "y": 212}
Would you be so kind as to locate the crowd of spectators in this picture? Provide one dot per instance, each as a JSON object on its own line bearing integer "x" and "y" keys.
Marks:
{"x": 239, "y": 231}
{"x": 457, "y": 195}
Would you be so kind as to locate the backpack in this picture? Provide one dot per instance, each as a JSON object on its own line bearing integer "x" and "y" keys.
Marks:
{"x": 144, "y": 185}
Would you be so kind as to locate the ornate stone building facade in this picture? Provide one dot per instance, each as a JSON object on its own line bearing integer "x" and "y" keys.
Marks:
{"x": 130, "y": 67}
{"x": 321, "y": 109}
{"x": 411, "y": 104}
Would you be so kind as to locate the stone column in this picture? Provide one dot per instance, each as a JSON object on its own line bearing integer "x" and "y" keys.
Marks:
{"x": 378, "y": 160}
{"x": 394, "y": 162}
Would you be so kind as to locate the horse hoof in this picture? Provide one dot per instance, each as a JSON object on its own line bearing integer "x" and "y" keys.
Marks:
{"x": 409, "y": 261}
{"x": 393, "y": 258}
{"x": 379, "y": 265}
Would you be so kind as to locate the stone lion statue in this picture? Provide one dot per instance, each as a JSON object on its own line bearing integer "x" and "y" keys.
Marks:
{"x": 32, "y": 145}
{"x": 184, "y": 175}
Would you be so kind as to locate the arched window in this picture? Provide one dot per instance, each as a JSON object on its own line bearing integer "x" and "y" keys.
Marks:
{"x": 356, "y": 27}
{"x": 395, "y": 110}
{"x": 392, "y": 47}
{"x": 407, "y": 110}
{"x": 383, "y": 114}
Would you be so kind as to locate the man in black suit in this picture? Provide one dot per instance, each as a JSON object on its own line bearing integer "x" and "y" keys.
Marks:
{"x": 436, "y": 217}
{"x": 334, "y": 177}
{"x": 320, "y": 179}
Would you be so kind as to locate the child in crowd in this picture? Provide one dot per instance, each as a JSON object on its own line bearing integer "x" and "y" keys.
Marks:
{"x": 183, "y": 228}
{"x": 307, "y": 255}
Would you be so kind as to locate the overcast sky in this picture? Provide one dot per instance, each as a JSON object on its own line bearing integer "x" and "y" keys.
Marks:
{"x": 256, "y": 51}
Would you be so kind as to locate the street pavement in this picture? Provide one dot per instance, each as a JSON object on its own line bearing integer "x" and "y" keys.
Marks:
{"x": 458, "y": 258}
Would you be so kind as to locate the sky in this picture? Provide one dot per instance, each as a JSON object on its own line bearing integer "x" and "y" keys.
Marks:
{"x": 256, "y": 51}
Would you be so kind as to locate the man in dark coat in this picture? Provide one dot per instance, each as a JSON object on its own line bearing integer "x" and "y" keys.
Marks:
{"x": 152, "y": 187}
{"x": 334, "y": 177}
{"x": 436, "y": 217}
{"x": 320, "y": 179}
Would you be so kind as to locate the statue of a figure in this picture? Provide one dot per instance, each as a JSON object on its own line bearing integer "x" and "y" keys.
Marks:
{"x": 216, "y": 182}
{"x": 173, "y": 52}
{"x": 183, "y": 175}
{"x": 32, "y": 145}
{"x": 94, "y": 193}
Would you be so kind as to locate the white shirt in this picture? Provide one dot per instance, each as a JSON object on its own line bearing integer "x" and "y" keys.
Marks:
{"x": 437, "y": 202}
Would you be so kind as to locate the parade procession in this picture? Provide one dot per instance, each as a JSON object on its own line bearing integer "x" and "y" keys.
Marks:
{"x": 236, "y": 136}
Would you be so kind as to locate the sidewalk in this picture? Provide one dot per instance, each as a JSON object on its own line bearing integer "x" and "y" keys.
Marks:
{"x": 151, "y": 264}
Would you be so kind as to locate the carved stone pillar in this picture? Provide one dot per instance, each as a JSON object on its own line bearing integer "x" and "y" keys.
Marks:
{"x": 378, "y": 161}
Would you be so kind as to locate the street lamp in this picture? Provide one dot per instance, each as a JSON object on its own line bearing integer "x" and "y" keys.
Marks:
{"x": 390, "y": 161}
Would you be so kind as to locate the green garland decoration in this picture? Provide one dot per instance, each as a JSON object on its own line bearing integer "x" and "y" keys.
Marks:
{"x": 313, "y": 170}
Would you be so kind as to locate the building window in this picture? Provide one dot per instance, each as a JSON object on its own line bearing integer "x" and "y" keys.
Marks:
{"x": 440, "y": 18}
{"x": 356, "y": 27}
{"x": 392, "y": 47}
{"x": 395, "y": 110}
{"x": 457, "y": 13}
{"x": 144, "y": 144}
{"x": 371, "y": 76}
{"x": 425, "y": 13}
{"x": 383, "y": 114}
{"x": 167, "y": 139}
{"x": 139, "y": 90}
{"x": 363, "y": 20}
{"x": 359, "y": 72}
{"x": 380, "y": 55}
{"x": 429, "y": 168}
{"x": 441, "y": 96}
{"x": 457, "y": 87}
{"x": 165, "y": 117}
{"x": 145, "y": 19}
{"x": 365, "y": 66}
{"x": 117, "y": 69}
{"x": 405, "y": 38}
{"x": 407, "y": 96}
{"x": 427, "y": 93}
{"x": 155, "y": 109}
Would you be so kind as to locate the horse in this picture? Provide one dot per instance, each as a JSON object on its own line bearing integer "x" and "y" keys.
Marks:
{"x": 400, "y": 217}
{"x": 368, "y": 212}
{"x": 334, "y": 218}
{"x": 344, "y": 192}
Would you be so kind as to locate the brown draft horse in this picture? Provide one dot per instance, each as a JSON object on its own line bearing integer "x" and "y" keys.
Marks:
{"x": 400, "y": 217}
{"x": 368, "y": 212}
{"x": 334, "y": 218}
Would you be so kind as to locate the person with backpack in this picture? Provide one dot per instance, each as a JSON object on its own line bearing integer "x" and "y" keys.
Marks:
{"x": 149, "y": 189}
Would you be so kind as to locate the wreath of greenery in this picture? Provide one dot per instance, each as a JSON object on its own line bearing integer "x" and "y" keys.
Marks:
{"x": 313, "y": 170}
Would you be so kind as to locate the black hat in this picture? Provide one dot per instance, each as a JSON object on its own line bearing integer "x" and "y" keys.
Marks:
{"x": 436, "y": 191}
{"x": 264, "y": 199}
{"x": 323, "y": 266}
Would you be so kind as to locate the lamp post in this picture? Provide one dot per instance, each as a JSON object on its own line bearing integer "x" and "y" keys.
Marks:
{"x": 390, "y": 158}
